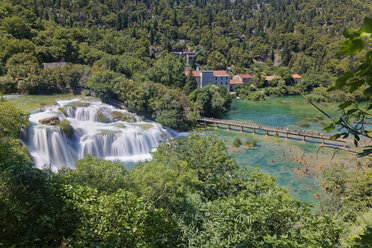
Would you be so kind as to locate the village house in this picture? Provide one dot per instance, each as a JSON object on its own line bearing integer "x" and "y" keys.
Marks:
{"x": 196, "y": 75}
{"x": 234, "y": 82}
{"x": 245, "y": 78}
{"x": 297, "y": 78}
{"x": 204, "y": 78}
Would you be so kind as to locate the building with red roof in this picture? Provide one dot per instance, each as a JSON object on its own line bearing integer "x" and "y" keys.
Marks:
{"x": 245, "y": 78}
{"x": 297, "y": 78}
{"x": 204, "y": 78}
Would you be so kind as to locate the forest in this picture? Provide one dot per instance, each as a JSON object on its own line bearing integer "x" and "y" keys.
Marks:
{"x": 130, "y": 42}
{"x": 192, "y": 193}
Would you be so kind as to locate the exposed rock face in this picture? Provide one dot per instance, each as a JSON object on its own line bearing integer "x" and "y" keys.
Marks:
{"x": 53, "y": 121}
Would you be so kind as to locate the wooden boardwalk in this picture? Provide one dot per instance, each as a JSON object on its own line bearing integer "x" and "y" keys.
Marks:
{"x": 279, "y": 130}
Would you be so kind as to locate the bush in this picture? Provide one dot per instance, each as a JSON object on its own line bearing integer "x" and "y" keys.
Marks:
{"x": 251, "y": 143}
{"x": 6, "y": 85}
{"x": 237, "y": 143}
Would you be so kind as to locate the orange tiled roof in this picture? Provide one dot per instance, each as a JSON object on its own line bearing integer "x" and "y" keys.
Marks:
{"x": 269, "y": 78}
{"x": 244, "y": 75}
{"x": 220, "y": 73}
{"x": 235, "y": 81}
{"x": 296, "y": 76}
{"x": 194, "y": 73}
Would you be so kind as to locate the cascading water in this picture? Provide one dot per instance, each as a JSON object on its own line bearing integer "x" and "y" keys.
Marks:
{"x": 92, "y": 128}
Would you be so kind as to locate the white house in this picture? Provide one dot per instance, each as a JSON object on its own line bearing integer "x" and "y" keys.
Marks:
{"x": 245, "y": 78}
{"x": 204, "y": 78}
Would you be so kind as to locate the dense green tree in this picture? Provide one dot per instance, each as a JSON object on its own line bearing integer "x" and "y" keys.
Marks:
{"x": 213, "y": 100}
{"x": 105, "y": 176}
{"x": 22, "y": 66}
{"x": 16, "y": 26}
{"x": 168, "y": 71}
{"x": 101, "y": 83}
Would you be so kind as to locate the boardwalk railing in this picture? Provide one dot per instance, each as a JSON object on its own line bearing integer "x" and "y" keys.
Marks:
{"x": 278, "y": 130}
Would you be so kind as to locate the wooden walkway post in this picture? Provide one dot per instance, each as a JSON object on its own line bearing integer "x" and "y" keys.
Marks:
{"x": 304, "y": 138}
{"x": 228, "y": 127}
{"x": 267, "y": 133}
{"x": 242, "y": 130}
{"x": 254, "y": 131}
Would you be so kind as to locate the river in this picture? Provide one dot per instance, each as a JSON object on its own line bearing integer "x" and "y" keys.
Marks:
{"x": 287, "y": 160}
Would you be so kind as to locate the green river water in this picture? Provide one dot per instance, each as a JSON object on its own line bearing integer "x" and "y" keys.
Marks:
{"x": 285, "y": 159}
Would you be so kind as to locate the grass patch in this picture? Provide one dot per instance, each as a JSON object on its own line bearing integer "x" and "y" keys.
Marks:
{"x": 66, "y": 128}
{"x": 146, "y": 126}
{"x": 28, "y": 103}
{"x": 77, "y": 104}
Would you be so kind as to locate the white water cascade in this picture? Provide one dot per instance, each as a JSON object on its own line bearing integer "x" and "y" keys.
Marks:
{"x": 98, "y": 129}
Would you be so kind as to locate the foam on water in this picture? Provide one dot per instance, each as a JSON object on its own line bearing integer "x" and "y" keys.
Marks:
{"x": 127, "y": 142}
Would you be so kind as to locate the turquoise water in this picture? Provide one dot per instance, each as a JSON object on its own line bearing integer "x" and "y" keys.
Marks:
{"x": 285, "y": 159}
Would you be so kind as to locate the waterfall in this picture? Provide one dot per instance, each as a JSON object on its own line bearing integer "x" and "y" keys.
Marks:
{"x": 95, "y": 132}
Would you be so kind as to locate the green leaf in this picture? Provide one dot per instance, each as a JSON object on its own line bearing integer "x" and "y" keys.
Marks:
{"x": 367, "y": 26}
{"x": 351, "y": 47}
{"x": 345, "y": 104}
{"x": 329, "y": 128}
{"x": 368, "y": 91}
{"x": 341, "y": 81}
{"x": 336, "y": 136}
{"x": 355, "y": 85}
{"x": 351, "y": 111}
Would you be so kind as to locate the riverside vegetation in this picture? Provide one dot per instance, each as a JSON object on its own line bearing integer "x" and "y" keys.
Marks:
{"x": 192, "y": 194}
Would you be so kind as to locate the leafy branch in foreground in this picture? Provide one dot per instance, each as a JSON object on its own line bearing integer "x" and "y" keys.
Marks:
{"x": 355, "y": 115}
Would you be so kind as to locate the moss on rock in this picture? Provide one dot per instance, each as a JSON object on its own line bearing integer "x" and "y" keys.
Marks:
{"x": 120, "y": 116}
{"x": 52, "y": 121}
{"x": 101, "y": 117}
{"x": 66, "y": 128}
{"x": 63, "y": 111}
{"x": 146, "y": 126}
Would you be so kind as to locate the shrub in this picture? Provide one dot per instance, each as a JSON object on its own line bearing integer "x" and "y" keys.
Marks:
{"x": 251, "y": 143}
{"x": 237, "y": 142}
{"x": 6, "y": 85}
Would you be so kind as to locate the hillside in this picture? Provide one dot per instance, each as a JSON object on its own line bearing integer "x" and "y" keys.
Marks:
{"x": 301, "y": 34}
